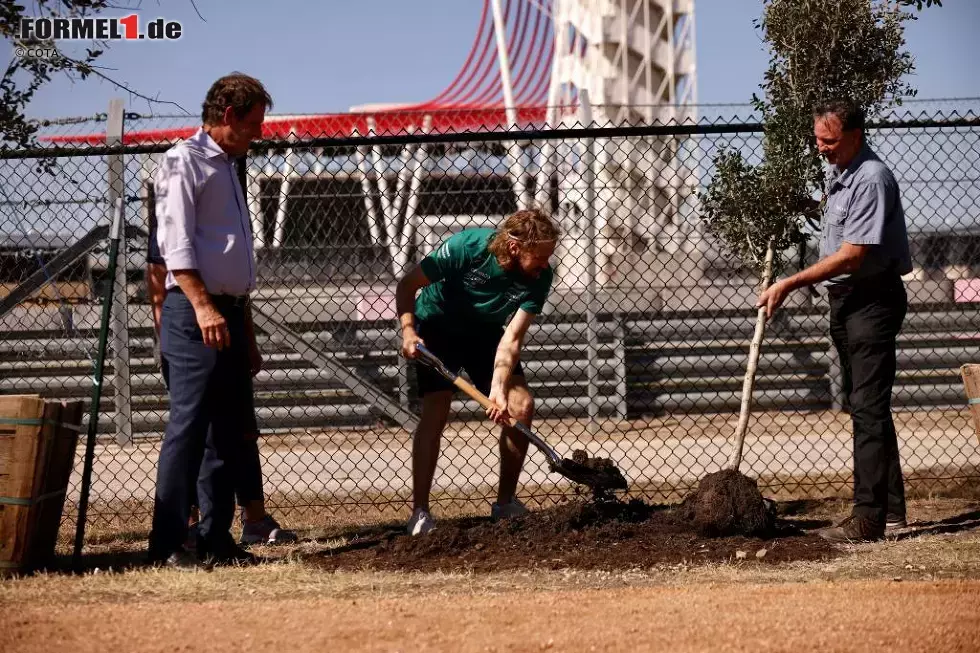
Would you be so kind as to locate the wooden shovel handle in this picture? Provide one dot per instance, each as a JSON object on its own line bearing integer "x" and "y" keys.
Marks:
{"x": 474, "y": 394}
{"x": 433, "y": 361}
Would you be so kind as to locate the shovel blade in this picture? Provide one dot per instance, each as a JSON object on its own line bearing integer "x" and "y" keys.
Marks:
{"x": 609, "y": 478}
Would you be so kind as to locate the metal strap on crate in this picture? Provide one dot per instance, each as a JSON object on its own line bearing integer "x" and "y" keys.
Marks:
{"x": 37, "y": 421}
{"x": 973, "y": 401}
{"x": 22, "y": 501}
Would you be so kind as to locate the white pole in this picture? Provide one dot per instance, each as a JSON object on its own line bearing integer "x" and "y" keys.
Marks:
{"x": 379, "y": 173}
{"x": 626, "y": 79}
{"x": 408, "y": 226}
{"x": 401, "y": 187}
{"x": 393, "y": 226}
{"x": 542, "y": 198}
{"x": 605, "y": 183}
{"x": 592, "y": 338}
{"x": 253, "y": 198}
{"x": 120, "y": 300}
{"x": 515, "y": 166}
{"x": 547, "y": 153}
{"x": 504, "y": 59}
{"x": 369, "y": 205}
{"x": 288, "y": 175}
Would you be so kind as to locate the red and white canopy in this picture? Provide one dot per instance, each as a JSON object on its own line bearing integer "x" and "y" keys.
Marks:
{"x": 473, "y": 101}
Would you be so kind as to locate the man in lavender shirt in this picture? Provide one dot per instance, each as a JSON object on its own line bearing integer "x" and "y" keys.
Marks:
{"x": 207, "y": 341}
{"x": 258, "y": 526}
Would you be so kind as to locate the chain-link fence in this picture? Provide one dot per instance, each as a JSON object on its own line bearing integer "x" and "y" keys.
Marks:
{"x": 638, "y": 356}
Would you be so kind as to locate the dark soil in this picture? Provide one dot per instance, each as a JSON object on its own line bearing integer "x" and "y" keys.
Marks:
{"x": 729, "y": 503}
{"x": 600, "y": 474}
{"x": 607, "y": 535}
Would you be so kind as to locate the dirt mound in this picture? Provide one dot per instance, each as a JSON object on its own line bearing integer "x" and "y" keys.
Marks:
{"x": 729, "y": 503}
{"x": 580, "y": 535}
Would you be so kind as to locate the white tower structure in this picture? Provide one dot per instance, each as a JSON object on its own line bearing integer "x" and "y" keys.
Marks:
{"x": 635, "y": 58}
{"x": 625, "y": 62}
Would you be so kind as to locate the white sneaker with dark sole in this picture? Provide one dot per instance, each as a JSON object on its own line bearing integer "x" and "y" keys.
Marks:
{"x": 420, "y": 523}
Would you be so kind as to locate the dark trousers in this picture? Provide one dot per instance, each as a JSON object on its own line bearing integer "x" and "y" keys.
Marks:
{"x": 248, "y": 473}
{"x": 864, "y": 322}
{"x": 248, "y": 481}
{"x": 211, "y": 409}
{"x": 248, "y": 484}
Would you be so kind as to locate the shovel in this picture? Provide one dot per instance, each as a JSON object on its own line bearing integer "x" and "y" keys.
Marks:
{"x": 599, "y": 480}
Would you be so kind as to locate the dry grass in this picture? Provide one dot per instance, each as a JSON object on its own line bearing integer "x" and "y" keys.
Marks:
{"x": 921, "y": 591}
{"x": 121, "y": 578}
{"x": 851, "y": 616}
{"x": 925, "y": 558}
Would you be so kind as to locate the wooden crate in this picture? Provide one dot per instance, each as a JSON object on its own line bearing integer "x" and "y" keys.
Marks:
{"x": 37, "y": 454}
{"x": 971, "y": 384}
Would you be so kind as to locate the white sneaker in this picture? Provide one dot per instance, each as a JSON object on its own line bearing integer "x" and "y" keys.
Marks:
{"x": 895, "y": 523}
{"x": 421, "y": 522}
{"x": 512, "y": 509}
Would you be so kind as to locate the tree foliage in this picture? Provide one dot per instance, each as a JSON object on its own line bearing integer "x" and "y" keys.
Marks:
{"x": 819, "y": 50}
{"x": 25, "y": 75}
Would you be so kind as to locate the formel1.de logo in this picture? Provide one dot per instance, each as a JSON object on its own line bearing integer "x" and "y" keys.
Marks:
{"x": 125, "y": 28}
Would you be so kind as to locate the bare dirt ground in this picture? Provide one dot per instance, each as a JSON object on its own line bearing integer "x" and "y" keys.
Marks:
{"x": 814, "y": 617}
{"x": 356, "y": 583}
{"x": 916, "y": 592}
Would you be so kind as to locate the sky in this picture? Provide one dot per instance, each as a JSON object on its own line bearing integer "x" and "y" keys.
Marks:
{"x": 330, "y": 55}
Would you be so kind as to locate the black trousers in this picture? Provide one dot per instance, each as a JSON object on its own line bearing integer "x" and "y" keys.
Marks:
{"x": 211, "y": 409}
{"x": 248, "y": 475}
{"x": 865, "y": 320}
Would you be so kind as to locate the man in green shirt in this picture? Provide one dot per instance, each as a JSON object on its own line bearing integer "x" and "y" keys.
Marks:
{"x": 471, "y": 286}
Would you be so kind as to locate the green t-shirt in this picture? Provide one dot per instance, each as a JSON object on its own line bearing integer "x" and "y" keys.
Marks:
{"x": 469, "y": 288}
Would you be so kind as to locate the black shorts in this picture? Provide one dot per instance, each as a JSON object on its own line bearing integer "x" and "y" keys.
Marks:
{"x": 152, "y": 247}
{"x": 471, "y": 349}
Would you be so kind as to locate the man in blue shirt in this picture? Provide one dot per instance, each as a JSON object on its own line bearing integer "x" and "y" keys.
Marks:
{"x": 864, "y": 251}
{"x": 207, "y": 341}
{"x": 258, "y": 526}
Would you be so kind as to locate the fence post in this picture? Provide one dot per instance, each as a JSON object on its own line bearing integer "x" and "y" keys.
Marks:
{"x": 120, "y": 305}
{"x": 592, "y": 338}
{"x": 619, "y": 352}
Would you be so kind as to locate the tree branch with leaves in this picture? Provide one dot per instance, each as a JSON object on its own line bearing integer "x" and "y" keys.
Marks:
{"x": 24, "y": 76}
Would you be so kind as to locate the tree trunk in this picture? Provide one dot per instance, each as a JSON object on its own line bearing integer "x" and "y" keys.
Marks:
{"x": 749, "y": 383}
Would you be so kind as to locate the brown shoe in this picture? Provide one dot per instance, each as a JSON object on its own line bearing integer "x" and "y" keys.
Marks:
{"x": 855, "y": 529}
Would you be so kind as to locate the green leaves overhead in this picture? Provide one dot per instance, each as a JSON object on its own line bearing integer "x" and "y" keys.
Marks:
{"x": 819, "y": 50}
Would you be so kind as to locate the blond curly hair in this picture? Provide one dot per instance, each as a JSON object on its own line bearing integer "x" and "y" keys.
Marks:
{"x": 529, "y": 227}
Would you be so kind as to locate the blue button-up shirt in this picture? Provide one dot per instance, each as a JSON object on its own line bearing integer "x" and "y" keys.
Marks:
{"x": 202, "y": 219}
{"x": 864, "y": 208}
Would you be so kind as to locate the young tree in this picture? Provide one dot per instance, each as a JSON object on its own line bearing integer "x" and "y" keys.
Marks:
{"x": 819, "y": 50}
